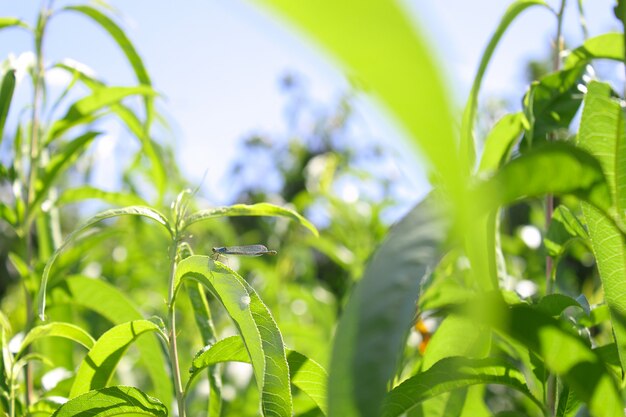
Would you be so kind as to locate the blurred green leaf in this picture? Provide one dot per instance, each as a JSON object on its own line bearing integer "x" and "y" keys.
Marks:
{"x": 61, "y": 161}
{"x": 403, "y": 76}
{"x": 469, "y": 114}
{"x": 501, "y": 140}
{"x": 568, "y": 404}
{"x": 84, "y": 110}
{"x": 45, "y": 407}
{"x": 125, "y": 211}
{"x": 453, "y": 373}
{"x": 605, "y": 46}
{"x": 56, "y": 329}
{"x": 7, "y": 22}
{"x": 553, "y": 168}
{"x": 112, "y": 304}
{"x": 564, "y": 228}
{"x": 305, "y": 373}
{"x": 564, "y": 353}
{"x": 258, "y": 329}
{"x": 86, "y": 192}
{"x": 554, "y": 304}
{"x": 373, "y": 327}
{"x": 602, "y": 133}
{"x": 260, "y": 209}
{"x": 97, "y": 367}
{"x": 112, "y": 401}
{"x": 6, "y": 95}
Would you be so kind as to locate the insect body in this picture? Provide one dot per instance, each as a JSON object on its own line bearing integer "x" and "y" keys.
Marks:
{"x": 248, "y": 250}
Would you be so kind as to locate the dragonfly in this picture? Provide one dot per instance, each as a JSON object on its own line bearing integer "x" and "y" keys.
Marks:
{"x": 247, "y": 250}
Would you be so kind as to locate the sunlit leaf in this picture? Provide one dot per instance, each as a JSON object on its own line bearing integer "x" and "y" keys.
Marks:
{"x": 258, "y": 329}
{"x": 6, "y": 95}
{"x": 469, "y": 115}
{"x": 260, "y": 209}
{"x": 7, "y": 22}
{"x": 97, "y": 367}
{"x": 126, "y": 211}
{"x": 453, "y": 373}
{"x": 305, "y": 373}
{"x": 75, "y": 195}
{"x": 372, "y": 329}
{"x": 57, "y": 329}
{"x": 84, "y": 110}
{"x": 112, "y": 401}
{"x": 554, "y": 304}
{"x": 112, "y": 304}
{"x": 501, "y": 140}
{"x": 605, "y": 46}
{"x": 403, "y": 74}
{"x": 602, "y": 133}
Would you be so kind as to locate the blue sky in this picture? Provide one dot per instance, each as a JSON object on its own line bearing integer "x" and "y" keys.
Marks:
{"x": 217, "y": 64}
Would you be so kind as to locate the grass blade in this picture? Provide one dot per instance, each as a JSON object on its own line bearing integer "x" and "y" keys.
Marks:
{"x": 6, "y": 95}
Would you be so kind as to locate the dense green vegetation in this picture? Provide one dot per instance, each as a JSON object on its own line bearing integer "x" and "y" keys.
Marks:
{"x": 501, "y": 293}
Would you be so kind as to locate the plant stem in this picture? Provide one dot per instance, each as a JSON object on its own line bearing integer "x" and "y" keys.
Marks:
{"x": 173, "y": 349}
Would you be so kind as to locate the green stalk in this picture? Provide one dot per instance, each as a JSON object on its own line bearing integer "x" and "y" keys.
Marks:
{"x": 171, "y": 315}
{"x": 550, "y": 267}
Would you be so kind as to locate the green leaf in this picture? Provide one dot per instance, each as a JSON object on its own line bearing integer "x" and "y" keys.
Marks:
{"x": 108, "y": 301}
{"x": 129, "y": 211}
{"x": 45, "y": 407}
{"x": 550, "y": 105}
{"x": 453, "y": 373}
{"x": 553, "y": 168}
{"x": 605, "y": 46}
{"x": 469, "y": 114}
{"x": 84, "y": 110}
{"x": 501, "y": 140}
{"x": 120, "y": 38}
{"x": 305, "y": 373}
{"x": 372, "y": 330}
{"x": 403, "y": 75}
{"x": 97, "y": 367}
{"x": 564, "y": 353}
{"x": 112, "y": 401}
{"x": 7, "y": 22}
{"x": 6, "y": 95}
{"x": 568, "y": 404}
{"x": 260, "y": 209}
{"x": 564, "y": 228}
{"x": 602, "y": 132}
{"x": 255, "y": 324}
{"x": 74, "y": 195}
{"x": 57, "y": 329}
{"x": 65, "y": 158}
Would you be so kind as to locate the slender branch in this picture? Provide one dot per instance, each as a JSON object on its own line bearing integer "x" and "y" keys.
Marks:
{"x": 173, "y": 348}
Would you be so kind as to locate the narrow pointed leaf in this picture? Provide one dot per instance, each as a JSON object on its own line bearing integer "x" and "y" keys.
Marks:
{"x": 372, "y": 330}
{"x": 500, "y": 141}
{"x": 305, "y": 373}
{"x": 260, "y": 209}
{"x": 453, "y": 373}
{"x": 126, "y": 211}
{"x": 108, "y": 301}
{"x": 112, "y": 401}
{"x": 75, "y": 195}
{"x": 57, "y": 329}
{"x": 257, "y": 327}
{"x": 403, "y": 76}
{"x": 97, "y": 367}
{"x": 7, "y": 22}
{"x": 84, "y": 110}
{"x": 469, "y": 115}
{"x": 6, "y": 95}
